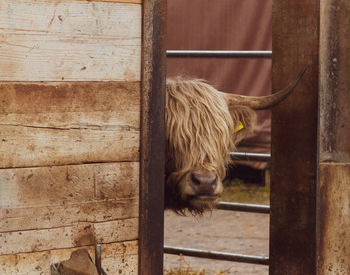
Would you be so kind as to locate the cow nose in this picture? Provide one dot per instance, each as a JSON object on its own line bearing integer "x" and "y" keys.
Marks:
{"x": 203, "y": 184}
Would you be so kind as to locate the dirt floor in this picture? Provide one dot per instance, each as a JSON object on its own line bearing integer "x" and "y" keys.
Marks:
{"x": 221, "y": 230}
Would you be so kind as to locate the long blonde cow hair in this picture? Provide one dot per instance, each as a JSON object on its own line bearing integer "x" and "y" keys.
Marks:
{"x": 201, "y": 127}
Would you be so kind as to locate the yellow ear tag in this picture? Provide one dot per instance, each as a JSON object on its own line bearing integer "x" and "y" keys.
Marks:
{"x": 239, "y": 127}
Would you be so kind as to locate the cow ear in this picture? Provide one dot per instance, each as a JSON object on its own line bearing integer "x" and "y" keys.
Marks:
{"x": 244, "y": 120}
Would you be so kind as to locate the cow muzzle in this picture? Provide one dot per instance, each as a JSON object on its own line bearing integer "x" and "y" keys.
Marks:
{"x": 201, "y": 185}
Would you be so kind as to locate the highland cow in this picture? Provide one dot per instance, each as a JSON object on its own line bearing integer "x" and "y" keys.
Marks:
{"x": 202, "y": 126}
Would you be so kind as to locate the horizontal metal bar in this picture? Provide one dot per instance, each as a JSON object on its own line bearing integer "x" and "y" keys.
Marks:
{"x": 219, "y": 54}
{"x": 243, "y": 207}
{"x": 217, "y": 255}
{"x": 250, "y": 156}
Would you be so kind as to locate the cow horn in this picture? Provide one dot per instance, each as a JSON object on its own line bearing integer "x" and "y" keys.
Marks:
{"x": 264, "y": 102}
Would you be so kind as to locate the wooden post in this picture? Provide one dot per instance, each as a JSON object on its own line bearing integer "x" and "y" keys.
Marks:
{"x": 333, "y": 206}
{"x": 152, "y": 161}
{"x": 294, "y": 139}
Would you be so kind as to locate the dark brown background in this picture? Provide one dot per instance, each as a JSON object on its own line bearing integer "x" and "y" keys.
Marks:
{"x": 225, "y": 25}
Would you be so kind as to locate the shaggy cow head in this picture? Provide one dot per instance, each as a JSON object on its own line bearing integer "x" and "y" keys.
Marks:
{"x": 202, "y": 126}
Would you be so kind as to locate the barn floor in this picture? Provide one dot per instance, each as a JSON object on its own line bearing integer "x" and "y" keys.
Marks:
{"x": 228, "y": 231}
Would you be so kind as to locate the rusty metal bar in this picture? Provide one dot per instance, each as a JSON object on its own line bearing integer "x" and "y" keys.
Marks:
{"x": 250, "y": 156}
{"x": 244, "y": 207}
{"x": 217, "y": 255}
{"x": 218, "y": 54}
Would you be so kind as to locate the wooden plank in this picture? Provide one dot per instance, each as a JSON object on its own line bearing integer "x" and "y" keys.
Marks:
{"x": 78, "y": 234}
{"x": 68, "y": 104}
{"x": 71, "y": 18}
{"x": 118, "y": 1}
{"x": 49, "y": 186}
{"x": 333, "y": 219}
{"x": 47, "y": 197}
{"x": 124, "y": 262}
{"x": 68, "y": 123}
{"x": 295, "y": 29}
{"x": 69, "y": 213}
{"x": 69, "y": 40}
{"x": 38, "y": 146}
{"x": 120, "y": 257}
{"x": 334, "y": 145}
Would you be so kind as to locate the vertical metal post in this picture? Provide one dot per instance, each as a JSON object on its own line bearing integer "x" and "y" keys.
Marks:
{"x": 98, "y": 258}
{"x": 294, "y": 139}
{"x": 333, "y": 206}
{"x": 152, "y": 156}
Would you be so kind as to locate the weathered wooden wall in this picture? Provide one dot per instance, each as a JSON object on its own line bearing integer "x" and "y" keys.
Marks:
{"x": 70, "y": 98}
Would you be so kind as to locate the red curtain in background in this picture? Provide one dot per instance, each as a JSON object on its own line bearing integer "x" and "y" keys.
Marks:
{"x": 225, "y": 25}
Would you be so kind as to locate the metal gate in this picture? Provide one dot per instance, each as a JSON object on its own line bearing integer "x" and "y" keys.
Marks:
{"x": 251, "y": 208}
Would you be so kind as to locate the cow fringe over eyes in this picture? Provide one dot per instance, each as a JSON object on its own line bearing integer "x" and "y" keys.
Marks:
{"x": 199, "y": 126}
{"x": 201, "y": 131}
